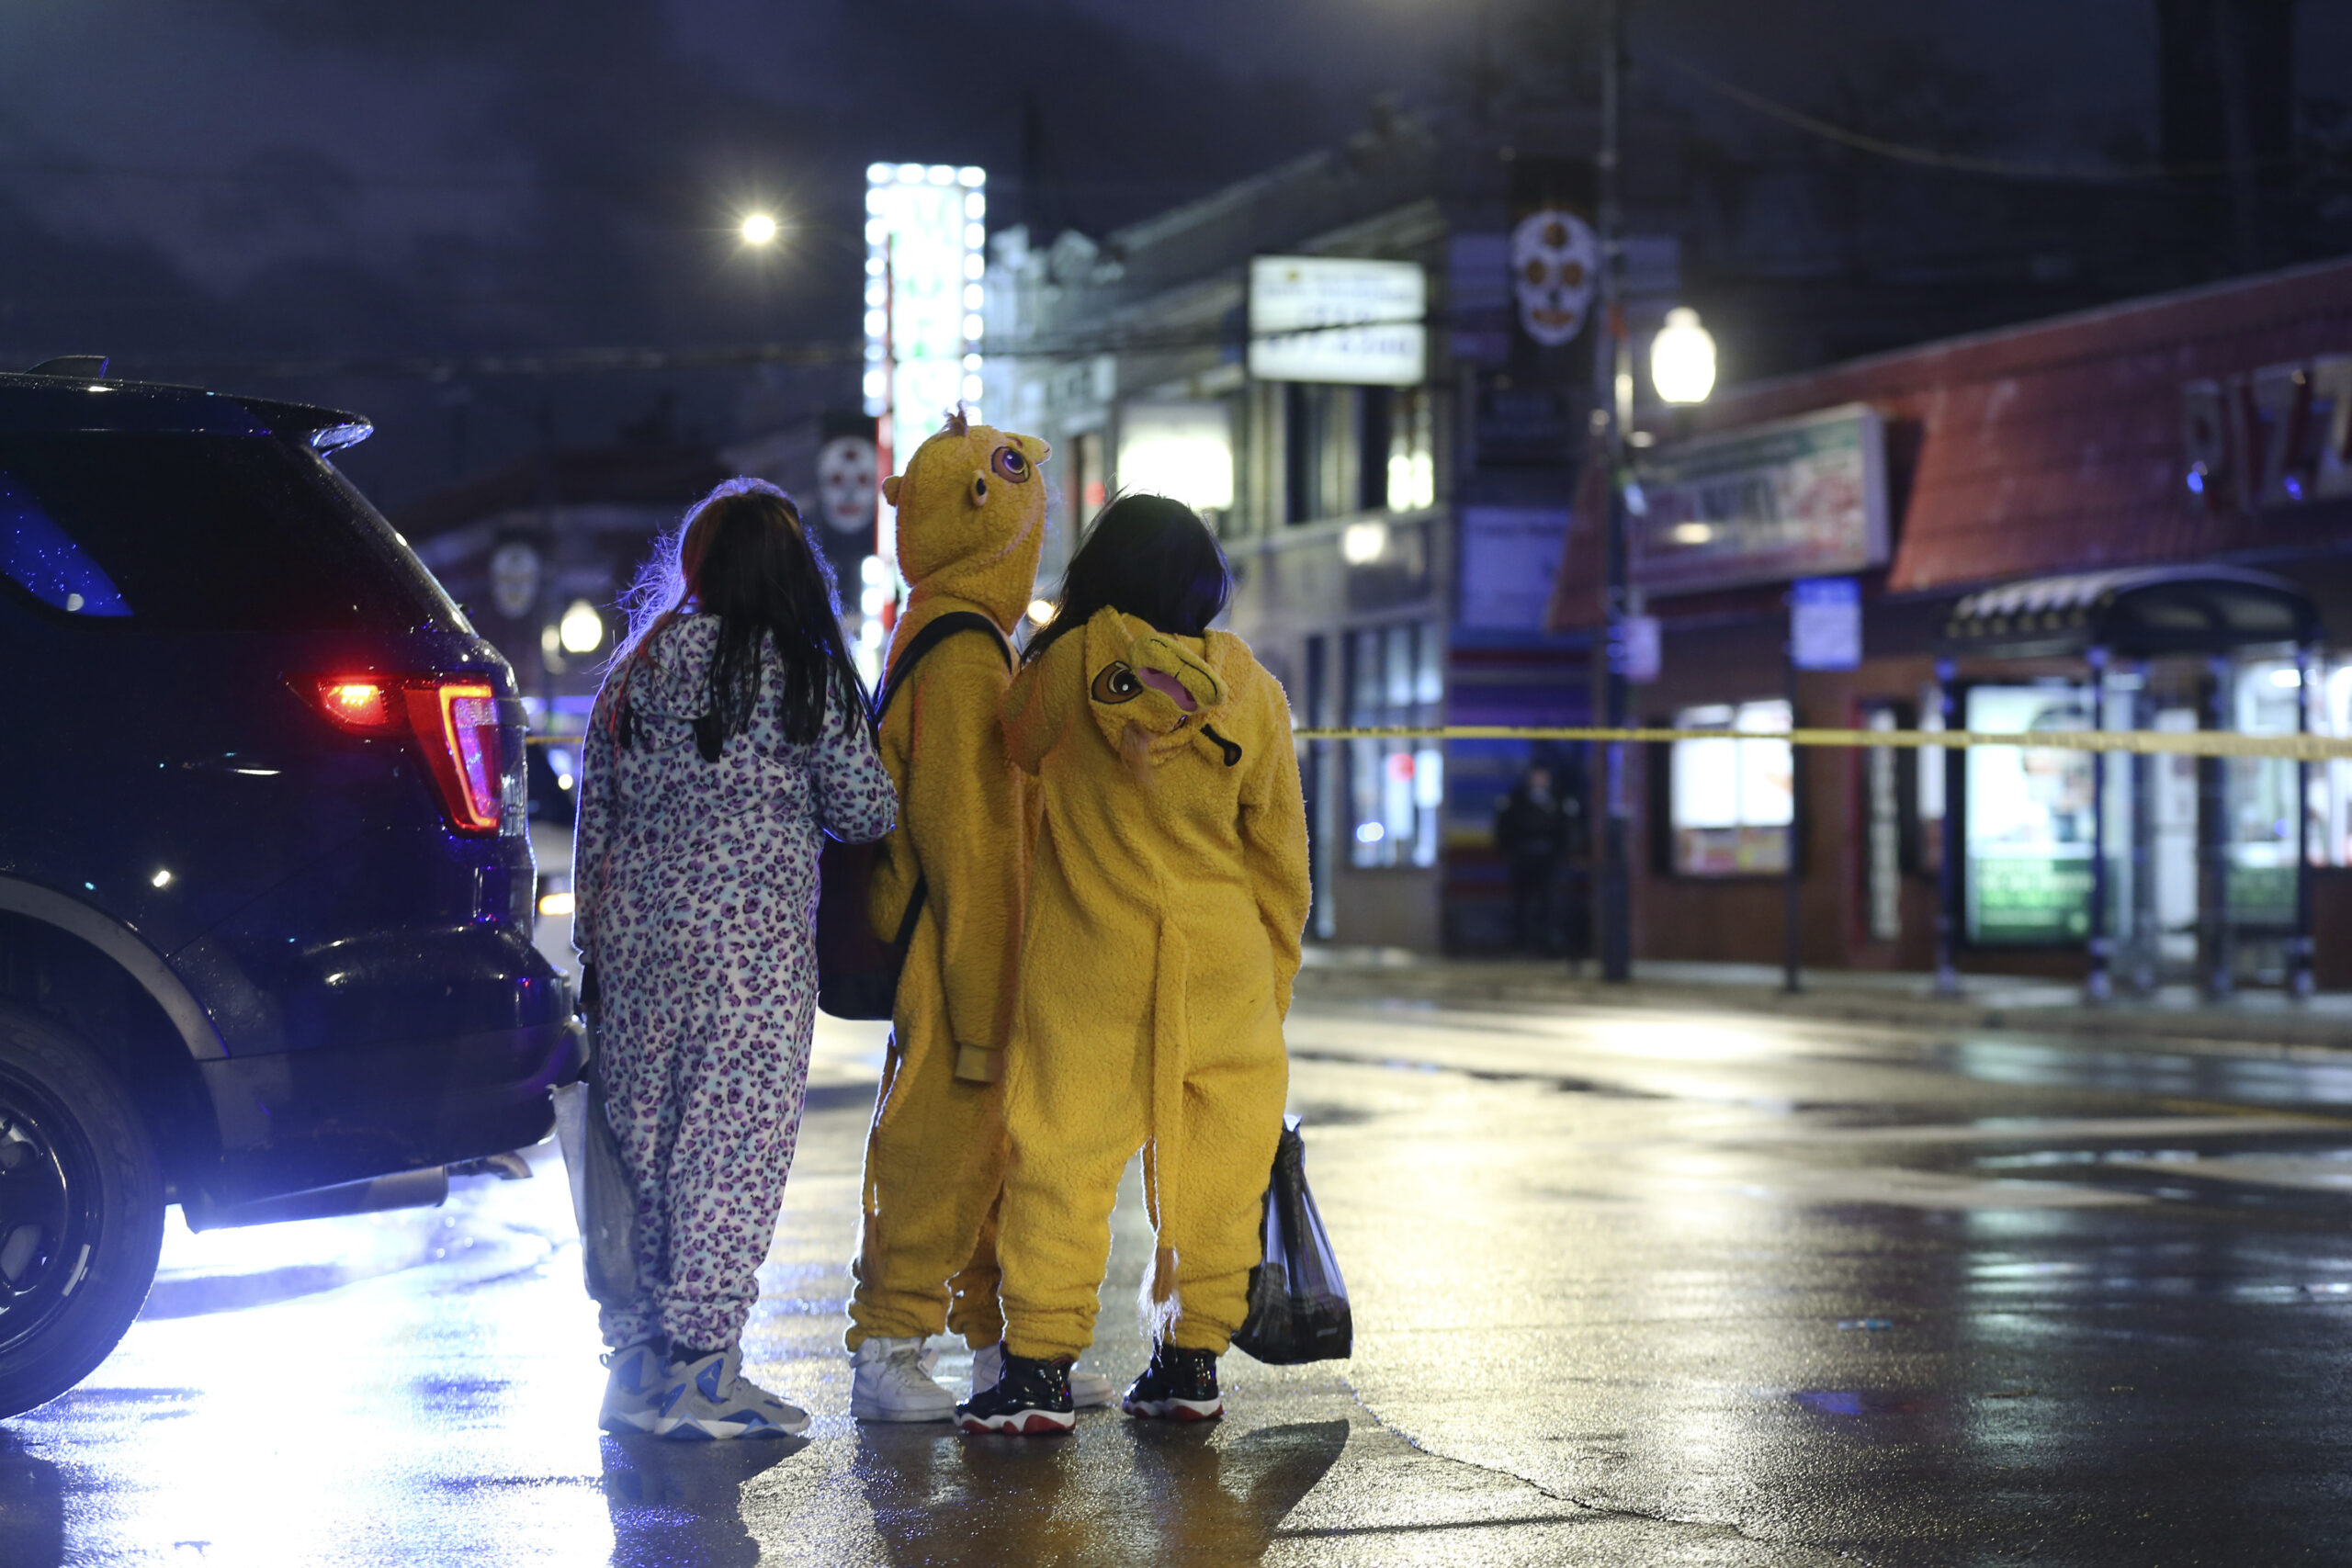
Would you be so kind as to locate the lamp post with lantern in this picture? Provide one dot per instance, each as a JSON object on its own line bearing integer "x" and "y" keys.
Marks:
{"x": 1613, "y": 365}
{"x": 1682, "y": 358}
{"x": 1682, "y": 369}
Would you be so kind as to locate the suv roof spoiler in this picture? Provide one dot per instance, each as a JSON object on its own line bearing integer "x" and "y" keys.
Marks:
{"x": 80, "y": 366}
{"x": 157, "y": 405}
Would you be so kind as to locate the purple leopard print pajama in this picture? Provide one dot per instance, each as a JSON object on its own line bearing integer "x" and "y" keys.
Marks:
{"x": 696, "y": 901}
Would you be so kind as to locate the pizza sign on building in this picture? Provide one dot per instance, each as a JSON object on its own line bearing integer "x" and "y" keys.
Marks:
{"x": 2273, "y": 437}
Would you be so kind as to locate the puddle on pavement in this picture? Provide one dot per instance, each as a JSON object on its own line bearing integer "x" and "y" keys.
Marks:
{"x": 1559, "y": 1082}
{"x": 1862, "y": 1401}
{"x": 2314, "y": 1083}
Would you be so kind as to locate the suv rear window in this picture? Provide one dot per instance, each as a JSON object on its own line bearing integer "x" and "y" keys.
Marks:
{"x": 203, "y": 532}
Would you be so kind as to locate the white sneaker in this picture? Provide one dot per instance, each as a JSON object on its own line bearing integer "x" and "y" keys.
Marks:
{"x": 633, "y": 1388}
{"x": 890, "y": 1380}
{"x": 711, "y": 1399}
{"x": 1087, "y": 1390}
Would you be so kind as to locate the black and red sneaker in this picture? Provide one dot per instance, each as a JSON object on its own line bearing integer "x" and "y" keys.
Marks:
{"x": 1029, "y": 1399}
{"x": 1179, "y": 1386}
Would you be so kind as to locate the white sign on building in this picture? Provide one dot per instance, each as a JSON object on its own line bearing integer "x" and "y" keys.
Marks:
{"x": 1338, "y": 318}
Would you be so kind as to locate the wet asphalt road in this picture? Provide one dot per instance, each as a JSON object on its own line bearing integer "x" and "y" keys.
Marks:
{"x": 1630, "y": 1287}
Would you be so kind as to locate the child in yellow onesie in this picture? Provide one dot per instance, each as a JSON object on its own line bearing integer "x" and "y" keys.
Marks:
{"x": 971, "y": 520}
{"x": 1167, "y": 900}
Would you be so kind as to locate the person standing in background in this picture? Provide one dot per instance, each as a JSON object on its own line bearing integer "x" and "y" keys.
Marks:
{"x": 1532, "y": 831}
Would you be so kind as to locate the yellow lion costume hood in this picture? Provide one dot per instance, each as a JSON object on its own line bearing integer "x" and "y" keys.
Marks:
{"x": 971, "y": 523}
{"x": 1154, "y": 694}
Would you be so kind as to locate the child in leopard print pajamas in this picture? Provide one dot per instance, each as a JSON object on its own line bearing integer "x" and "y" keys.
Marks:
{"x": 728, "y": 737}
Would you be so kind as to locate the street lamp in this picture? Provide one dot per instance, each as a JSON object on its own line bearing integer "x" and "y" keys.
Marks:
{"x": 1682, "y": 358}
{"x": 582, "y": 630}
{"x": 759, "y": 229}
{"x": 1612, "y": 367}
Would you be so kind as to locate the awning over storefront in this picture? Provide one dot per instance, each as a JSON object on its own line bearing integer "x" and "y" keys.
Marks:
{"x": 2137, "y": 612}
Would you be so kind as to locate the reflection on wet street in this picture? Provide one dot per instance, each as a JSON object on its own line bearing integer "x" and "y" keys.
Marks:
{"x": 1632, "y": 1287}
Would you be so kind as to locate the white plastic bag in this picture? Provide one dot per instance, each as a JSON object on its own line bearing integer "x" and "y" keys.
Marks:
{"x": 601, "y": 1199}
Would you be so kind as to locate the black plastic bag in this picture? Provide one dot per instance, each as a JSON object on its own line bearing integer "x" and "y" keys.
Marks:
{"x": 1298, "y": 1303}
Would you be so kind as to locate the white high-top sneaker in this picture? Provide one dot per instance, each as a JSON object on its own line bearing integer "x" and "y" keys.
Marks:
{"x": 633, "y": 1388}
{"x": 710, "y": 1398}
{"x": 890, "y": 1380}
{"x": 1087, "y": 1390}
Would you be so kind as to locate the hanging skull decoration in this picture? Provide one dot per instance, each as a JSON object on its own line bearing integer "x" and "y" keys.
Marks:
{"x": 514, "y": 578}
{"x": 1554, "y": 262}
{"x": 845, "y": 483}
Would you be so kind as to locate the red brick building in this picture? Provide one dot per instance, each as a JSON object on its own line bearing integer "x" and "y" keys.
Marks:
{"x": 2197, "y": 441}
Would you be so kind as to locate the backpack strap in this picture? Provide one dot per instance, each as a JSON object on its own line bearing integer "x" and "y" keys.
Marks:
{"x": 931, "y": 636}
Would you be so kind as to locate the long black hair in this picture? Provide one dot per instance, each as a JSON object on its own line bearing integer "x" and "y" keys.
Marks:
{"x": 1145, "y": 556}
{"x": 744, "y": 555}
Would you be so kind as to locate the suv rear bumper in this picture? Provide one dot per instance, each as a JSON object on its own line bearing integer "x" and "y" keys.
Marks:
{"x": 291, "y": 1120}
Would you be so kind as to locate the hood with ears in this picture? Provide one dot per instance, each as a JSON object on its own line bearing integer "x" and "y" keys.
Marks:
{"x": 1152, "y": 694}
{"x": 972, "y": 517}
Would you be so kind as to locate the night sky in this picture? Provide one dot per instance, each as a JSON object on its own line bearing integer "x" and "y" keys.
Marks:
{"x": 189, "y": 183}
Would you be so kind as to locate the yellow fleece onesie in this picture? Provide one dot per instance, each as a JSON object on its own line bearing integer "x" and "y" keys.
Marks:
{"x": 971, "y": 523}
{"x": 1166, "y": 905}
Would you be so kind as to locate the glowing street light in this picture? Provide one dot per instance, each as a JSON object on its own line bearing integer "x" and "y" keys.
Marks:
{"x": 759, "y": 229}
{"x": 1682, "y": 358}
{"x": 582, "y": 629}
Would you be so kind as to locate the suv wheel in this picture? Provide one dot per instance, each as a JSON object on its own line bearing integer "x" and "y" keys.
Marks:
{"x": 81, "y": 1210}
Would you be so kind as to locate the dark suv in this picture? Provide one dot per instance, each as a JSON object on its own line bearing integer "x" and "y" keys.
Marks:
{"x": 265, "y": 889}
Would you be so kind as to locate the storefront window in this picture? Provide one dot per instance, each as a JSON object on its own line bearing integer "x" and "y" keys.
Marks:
{"x": 1348, "y": 450}
{"x": 2262, "y": 798}
{"x": 1395, "y": 677}
{"x": 1412, "y": 472}
{"x": 2029, "y": 830}
{"x": 1733, "y": 801}
{"x": 2331, "y": 802}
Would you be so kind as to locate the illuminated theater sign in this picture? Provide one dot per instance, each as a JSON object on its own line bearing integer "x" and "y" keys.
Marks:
{"x": 925, "y": 239}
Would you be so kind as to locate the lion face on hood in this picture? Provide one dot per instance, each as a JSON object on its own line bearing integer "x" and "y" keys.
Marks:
{"x": 1152, "y": 695}
{"x": 972, "y": 516}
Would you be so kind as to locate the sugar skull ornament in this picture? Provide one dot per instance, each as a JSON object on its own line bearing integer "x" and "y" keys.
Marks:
{"x": 846, "y": 483}
{"x": 514, "y": 578}
{"x": 1554, "y": 262}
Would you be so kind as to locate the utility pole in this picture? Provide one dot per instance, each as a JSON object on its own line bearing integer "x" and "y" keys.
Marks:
{"x": 1613, "y": 377}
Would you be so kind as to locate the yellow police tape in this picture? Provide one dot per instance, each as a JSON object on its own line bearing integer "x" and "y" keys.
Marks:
{"x": 2147, "y": 742}
{"x": 2143, "y": 742}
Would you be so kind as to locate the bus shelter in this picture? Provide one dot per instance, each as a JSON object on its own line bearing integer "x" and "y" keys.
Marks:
{"x": 2158, "y": 866}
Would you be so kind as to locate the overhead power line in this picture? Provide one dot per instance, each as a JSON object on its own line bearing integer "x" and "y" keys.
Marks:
{"x": 337, "y": 177}
{"x": 1935, "y": 158}
{"x": 461, "y": 367}
{"x": 605, "y": 361}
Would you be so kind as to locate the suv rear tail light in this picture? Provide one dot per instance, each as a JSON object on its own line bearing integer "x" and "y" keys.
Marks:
{"x": 365, "y": 705}
{"x": 454, "y": 723}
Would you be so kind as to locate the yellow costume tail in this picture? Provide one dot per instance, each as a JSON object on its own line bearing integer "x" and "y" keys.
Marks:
{"x": 1159, "y": 1302}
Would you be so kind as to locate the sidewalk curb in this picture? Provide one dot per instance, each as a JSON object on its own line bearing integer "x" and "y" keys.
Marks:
{"x": 2283, "y": 1034}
